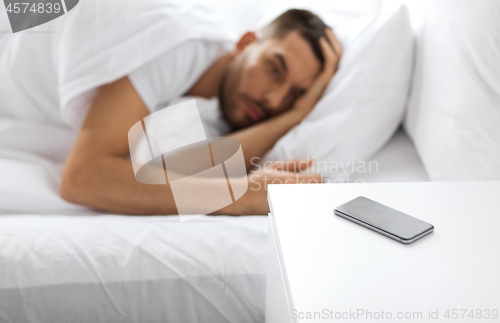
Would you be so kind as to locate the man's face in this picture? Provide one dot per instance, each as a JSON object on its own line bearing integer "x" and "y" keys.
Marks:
{"x": 266, "y": 77}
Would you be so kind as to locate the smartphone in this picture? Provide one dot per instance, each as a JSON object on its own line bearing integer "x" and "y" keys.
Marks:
{"x": 385, "y": 220}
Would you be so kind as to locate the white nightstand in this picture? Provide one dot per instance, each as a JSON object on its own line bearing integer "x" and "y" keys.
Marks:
{"x": 322, "y": 263}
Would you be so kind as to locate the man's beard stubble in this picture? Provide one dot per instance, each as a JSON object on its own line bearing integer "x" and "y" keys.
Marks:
{"x": 228, "y": 94}
{"x": 228, "y": 91}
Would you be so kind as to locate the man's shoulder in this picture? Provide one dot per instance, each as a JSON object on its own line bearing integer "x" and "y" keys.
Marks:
{"x": 174, "y": 72}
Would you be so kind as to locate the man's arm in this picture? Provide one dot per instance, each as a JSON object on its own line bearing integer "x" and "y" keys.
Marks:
{"x": 99, "y": 174}
{"x": 260, "y": 138}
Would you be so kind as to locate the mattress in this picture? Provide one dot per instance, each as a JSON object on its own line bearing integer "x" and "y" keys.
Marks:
{"x": 61, "y": 262}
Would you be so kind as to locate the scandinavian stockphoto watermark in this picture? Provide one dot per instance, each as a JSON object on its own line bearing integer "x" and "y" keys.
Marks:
{"x": 26, "y": 14}
{"x": 331, "y": 171}
{"x": 170, "y": 146}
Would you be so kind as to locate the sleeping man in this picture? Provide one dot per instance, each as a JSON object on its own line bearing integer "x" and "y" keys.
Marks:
{"x": 266, "y": 84}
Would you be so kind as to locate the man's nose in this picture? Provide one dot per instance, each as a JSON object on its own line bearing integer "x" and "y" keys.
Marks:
{"x": 275, "y": 96}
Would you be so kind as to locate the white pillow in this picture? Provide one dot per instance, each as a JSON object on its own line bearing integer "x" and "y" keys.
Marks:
{"x": 364, "y": 103}
{"x": 454, "y": 109}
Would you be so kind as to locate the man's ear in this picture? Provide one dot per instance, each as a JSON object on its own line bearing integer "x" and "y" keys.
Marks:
{"x": 248, "y": 38}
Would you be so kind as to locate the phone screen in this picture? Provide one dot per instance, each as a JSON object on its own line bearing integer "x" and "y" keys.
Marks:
{"x": 383, "y": 219}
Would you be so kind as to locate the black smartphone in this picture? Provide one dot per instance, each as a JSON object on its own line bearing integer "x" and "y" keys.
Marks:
{"x": 385, "y": 220}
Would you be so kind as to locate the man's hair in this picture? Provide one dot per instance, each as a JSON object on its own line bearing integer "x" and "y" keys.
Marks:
{"x": 309, "y": 26}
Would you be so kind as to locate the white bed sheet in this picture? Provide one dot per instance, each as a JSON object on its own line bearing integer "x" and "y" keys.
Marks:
{"x": 131, "y": 269}
{"x": 397, "y": 161}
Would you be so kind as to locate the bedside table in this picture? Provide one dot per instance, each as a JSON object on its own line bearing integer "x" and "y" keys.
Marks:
{"x": 325, "y": 268}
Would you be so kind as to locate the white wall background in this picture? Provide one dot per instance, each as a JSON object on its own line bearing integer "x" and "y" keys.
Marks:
{"x": 244, "y": 15}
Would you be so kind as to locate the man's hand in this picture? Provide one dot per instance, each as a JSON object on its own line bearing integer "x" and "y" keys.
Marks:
{"x": 254, "y": 202}
{"x": 332, "y": 53}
